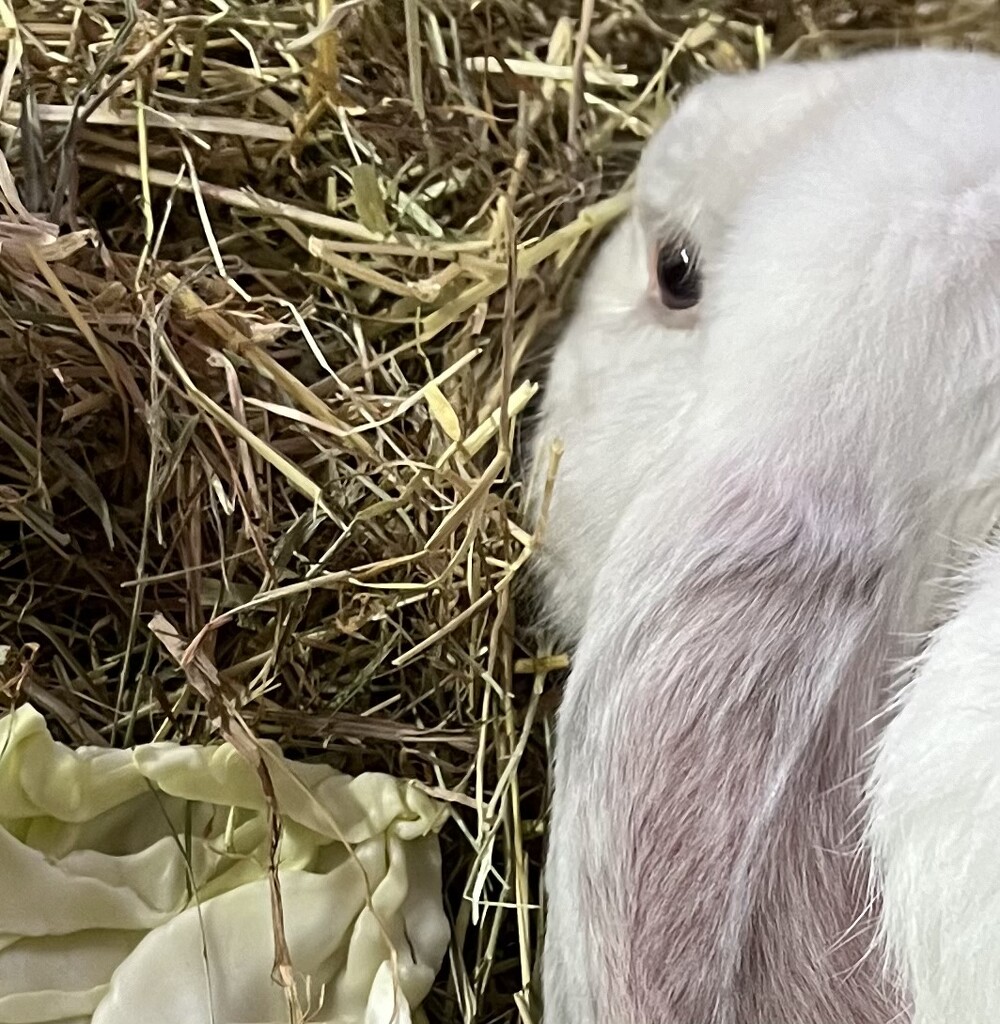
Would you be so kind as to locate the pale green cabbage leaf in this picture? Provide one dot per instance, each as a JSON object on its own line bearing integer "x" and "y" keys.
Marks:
{"x": 135, "y": 886}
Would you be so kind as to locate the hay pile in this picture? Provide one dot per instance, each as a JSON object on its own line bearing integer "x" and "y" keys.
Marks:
{"x": 273, "y": 283}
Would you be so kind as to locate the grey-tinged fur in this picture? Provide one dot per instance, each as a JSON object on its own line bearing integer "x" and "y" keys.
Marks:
{"x": 716, "y": 736}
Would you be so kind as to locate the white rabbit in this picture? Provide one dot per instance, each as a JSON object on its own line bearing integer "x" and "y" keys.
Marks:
{"x": 773, "y": 451}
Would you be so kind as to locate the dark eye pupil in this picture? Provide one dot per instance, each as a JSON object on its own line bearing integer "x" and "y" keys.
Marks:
{"x": 678, "y": 278}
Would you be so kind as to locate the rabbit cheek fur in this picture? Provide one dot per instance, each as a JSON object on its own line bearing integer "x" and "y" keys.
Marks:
{"x": 777, "y": 550}
{"x": 592, "y": 403}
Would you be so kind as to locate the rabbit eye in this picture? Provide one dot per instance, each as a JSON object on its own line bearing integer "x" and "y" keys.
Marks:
{"x": 677, "y": 276}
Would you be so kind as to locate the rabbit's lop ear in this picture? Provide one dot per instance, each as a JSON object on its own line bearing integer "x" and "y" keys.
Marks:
{"x": 707, "y": 741}
{"x": 934, "y": 814}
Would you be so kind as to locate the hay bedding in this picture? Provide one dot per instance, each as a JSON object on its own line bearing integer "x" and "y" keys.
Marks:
{"x": 273, "y": 284}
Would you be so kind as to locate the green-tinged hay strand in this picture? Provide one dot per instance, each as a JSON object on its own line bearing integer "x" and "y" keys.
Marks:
{"x": 275, "y": 285}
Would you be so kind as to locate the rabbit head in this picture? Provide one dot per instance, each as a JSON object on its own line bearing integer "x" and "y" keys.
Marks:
{"x": 807, "y": 262}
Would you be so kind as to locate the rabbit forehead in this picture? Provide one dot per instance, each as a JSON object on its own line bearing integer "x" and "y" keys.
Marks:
{"x": 696, "y": 168}
{"x": 732, "y": 130}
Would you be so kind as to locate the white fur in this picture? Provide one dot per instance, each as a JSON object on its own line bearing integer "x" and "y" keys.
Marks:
{"x": 748, "y": 532}
{"x": 934, "y": 822}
